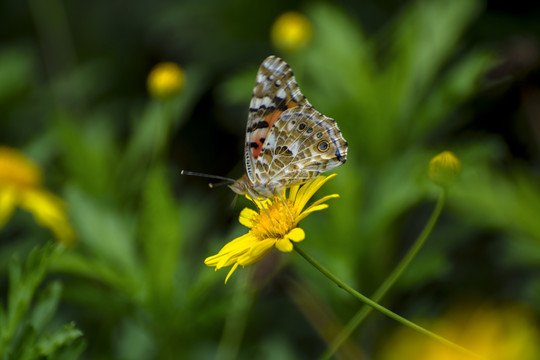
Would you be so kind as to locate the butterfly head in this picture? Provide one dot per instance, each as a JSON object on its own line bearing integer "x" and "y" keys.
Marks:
{"x": 240, "y": 186}
{"x": 244, "y": 186}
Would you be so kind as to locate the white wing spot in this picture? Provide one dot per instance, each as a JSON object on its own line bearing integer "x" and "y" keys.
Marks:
{"x": 258, "y": 102}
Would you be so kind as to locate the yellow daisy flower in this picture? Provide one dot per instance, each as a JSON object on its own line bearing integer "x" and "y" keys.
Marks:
{"x": 21, "y": 185}
{"x": 274, "y": 224}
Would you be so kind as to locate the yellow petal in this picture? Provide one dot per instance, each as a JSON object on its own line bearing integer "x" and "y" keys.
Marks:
{"x": 293, "y": 191}
{"x": 284, "y": 245}
{"x": 231, "y": 272}
{"x": 8, "y": 200}
{"x": 307, "y": 191}
{"x": 296, "y": 234}
{"x": 309, "y": 210}
{"x": 324, "y": 199}
{"x": 49, "y": 211}
{"x": 258, "y": 251}
{"x": 230, "y": 252}
{"x": 248, "y": 217}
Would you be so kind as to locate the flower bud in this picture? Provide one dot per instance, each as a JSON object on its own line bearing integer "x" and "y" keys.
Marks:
{"x": 444, "y": 169}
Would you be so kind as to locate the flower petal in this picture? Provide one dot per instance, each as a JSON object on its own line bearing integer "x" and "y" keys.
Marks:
{"x": 307, "y": 191}
{"x": 248, "y": 217}
{"x": 230, "y": 272}
{"x": 284, "y": 245}
{"x": 293, "y": 190}
{"x": 324, "y": 199}
{"x": 49, "y": 211}
{"x": 259, "y": 203}
{"x": 230, "y": 252}
{"x": 261, "y": 248}
{"x": 309, "y": 210}
{"x": 296, "y": 234}
{"x": 8, "y": 199}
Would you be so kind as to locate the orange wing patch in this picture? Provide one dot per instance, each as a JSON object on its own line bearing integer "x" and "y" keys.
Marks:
{"x": 259, "y": 135}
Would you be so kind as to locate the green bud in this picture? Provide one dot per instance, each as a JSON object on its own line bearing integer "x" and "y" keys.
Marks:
{"x": 444, "y": 169}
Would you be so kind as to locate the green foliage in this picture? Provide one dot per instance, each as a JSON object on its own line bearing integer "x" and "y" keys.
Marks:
{"x": 23, "y": 325}
{"x": 72, "y": 98}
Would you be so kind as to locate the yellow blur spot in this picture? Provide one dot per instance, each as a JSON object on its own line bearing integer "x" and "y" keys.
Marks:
{"x": 291, "y": 31}
{"x": 165, "y": 80}
{"x": 20, "y": 186}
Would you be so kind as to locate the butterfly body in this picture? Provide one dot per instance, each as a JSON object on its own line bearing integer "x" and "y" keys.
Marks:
{"x": 288, "y": 142}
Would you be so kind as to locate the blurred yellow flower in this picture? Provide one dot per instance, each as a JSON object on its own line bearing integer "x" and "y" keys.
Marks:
{"x": 493, "y": 333}
{"x": 291, "y": 31}
{"x": 165, "y": 80}
{"x": 444, "y": 169}
{"x": 21, "y": 185}
{"x": 272, "y": 225}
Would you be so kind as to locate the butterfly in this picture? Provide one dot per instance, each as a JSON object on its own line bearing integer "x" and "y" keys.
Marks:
{"x": 288, "y": 142}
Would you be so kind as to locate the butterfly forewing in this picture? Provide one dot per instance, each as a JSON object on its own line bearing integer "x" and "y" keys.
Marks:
{"x": 275, "y": 91}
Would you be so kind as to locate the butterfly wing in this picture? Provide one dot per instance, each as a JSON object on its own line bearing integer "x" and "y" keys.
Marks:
{"x": 275, "y": 92}
{"x": 301, "y": 145}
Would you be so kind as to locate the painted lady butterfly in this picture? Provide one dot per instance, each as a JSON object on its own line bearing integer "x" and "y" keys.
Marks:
{"x": 288, "y": 142}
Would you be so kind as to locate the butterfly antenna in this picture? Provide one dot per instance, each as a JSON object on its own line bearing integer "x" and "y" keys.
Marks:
{"x": 217, "y": 177}
{"x": 213, "y": 185}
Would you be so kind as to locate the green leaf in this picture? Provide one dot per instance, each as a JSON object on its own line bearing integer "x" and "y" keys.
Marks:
{"x": 48, "y": 344}
{"x": 460, "y": 83}
{"x": 507, "y": 201}
{"x": 22, "y": 286}
{"x": 89, "y": 153}
{"x": 23, "y": 345}
{"x": 422, "y": 40}
{"x": 16, "y": 71}
{"x": 17, "y": 333}
{"x": 96, "y": 269}
{"x": 108, "y": 234}
{"x": 152, "y": 129}
{"x": 341, "y": 57}
{"x": 46, "y": 306}
{"x": 160, "y": 232}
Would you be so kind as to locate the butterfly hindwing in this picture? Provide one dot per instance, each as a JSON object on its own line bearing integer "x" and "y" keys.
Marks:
{"x": 301, "y": 145}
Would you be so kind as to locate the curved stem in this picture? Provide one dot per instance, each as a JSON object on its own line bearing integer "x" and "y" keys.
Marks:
{"x": 390, "y": 280}
{"x": 380, "y": 308}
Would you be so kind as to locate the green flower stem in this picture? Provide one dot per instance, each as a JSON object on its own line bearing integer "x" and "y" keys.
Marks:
{"x": 380, "y": 308}
{"x": 389, "y": 282}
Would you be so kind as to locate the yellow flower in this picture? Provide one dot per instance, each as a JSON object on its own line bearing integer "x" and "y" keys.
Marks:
{"x": 165, "y": 80}
{"x": 444, "y": 169}
{"x": 495, "y": 333}
{"x": 274, "y": 224}
{"x": 20, "y": 185}
{"x": 291, "y": 31}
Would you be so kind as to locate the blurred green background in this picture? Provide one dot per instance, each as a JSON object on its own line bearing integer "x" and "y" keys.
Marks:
{"x": 404, "y": 81}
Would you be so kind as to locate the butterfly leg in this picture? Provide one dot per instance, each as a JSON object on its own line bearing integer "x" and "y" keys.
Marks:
{"x": 262, "y": 207}
{"x": 285, "y": 205}
{"x": 255, "y": 198}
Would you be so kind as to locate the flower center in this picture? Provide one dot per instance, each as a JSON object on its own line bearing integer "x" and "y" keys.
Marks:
{"x": 276, "y": 222}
